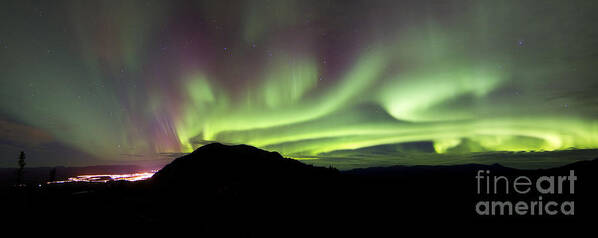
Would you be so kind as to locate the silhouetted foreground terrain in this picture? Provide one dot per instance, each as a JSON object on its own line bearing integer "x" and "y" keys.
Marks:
{"x": 244, "y": 190}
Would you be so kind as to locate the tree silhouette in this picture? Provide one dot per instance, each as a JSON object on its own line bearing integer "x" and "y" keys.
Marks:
{"x": 21, "y": 169}
{"x": 52, "y": 176}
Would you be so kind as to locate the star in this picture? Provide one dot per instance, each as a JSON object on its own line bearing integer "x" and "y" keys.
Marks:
{"x": 521, "y": 42}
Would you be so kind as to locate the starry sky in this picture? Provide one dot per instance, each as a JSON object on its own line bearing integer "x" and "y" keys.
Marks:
{"x": 96, "y": 82}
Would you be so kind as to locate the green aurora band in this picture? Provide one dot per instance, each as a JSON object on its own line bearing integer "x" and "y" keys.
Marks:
{"x": 298, "y": 77}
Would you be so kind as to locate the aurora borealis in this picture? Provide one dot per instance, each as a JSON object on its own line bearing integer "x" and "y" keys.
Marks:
{"x": 89, "y": 82}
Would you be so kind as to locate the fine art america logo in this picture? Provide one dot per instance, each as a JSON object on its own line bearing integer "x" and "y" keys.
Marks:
{"x": 525, "y": 195}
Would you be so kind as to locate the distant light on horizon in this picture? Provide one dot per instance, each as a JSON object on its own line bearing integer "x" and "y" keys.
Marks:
{"x": 104, "y": 178}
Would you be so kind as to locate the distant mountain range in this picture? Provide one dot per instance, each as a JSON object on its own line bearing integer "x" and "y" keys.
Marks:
{"x": 248, "y": 173}
{"x": 220, "y": 161}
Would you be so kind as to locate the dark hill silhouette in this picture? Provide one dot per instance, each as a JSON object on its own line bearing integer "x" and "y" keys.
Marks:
{"x": 243, "y": 187}
{"x": 218, "y": 163}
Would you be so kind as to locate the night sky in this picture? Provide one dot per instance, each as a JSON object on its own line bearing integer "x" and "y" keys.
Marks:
{"x": 97, "y": 82}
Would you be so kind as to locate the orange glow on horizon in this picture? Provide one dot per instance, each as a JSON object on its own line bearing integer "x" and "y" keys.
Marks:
{"x": 103, "y": 178}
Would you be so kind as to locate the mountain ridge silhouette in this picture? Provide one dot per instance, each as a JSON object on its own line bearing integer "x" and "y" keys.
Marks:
{"x": 225, "y": 163}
